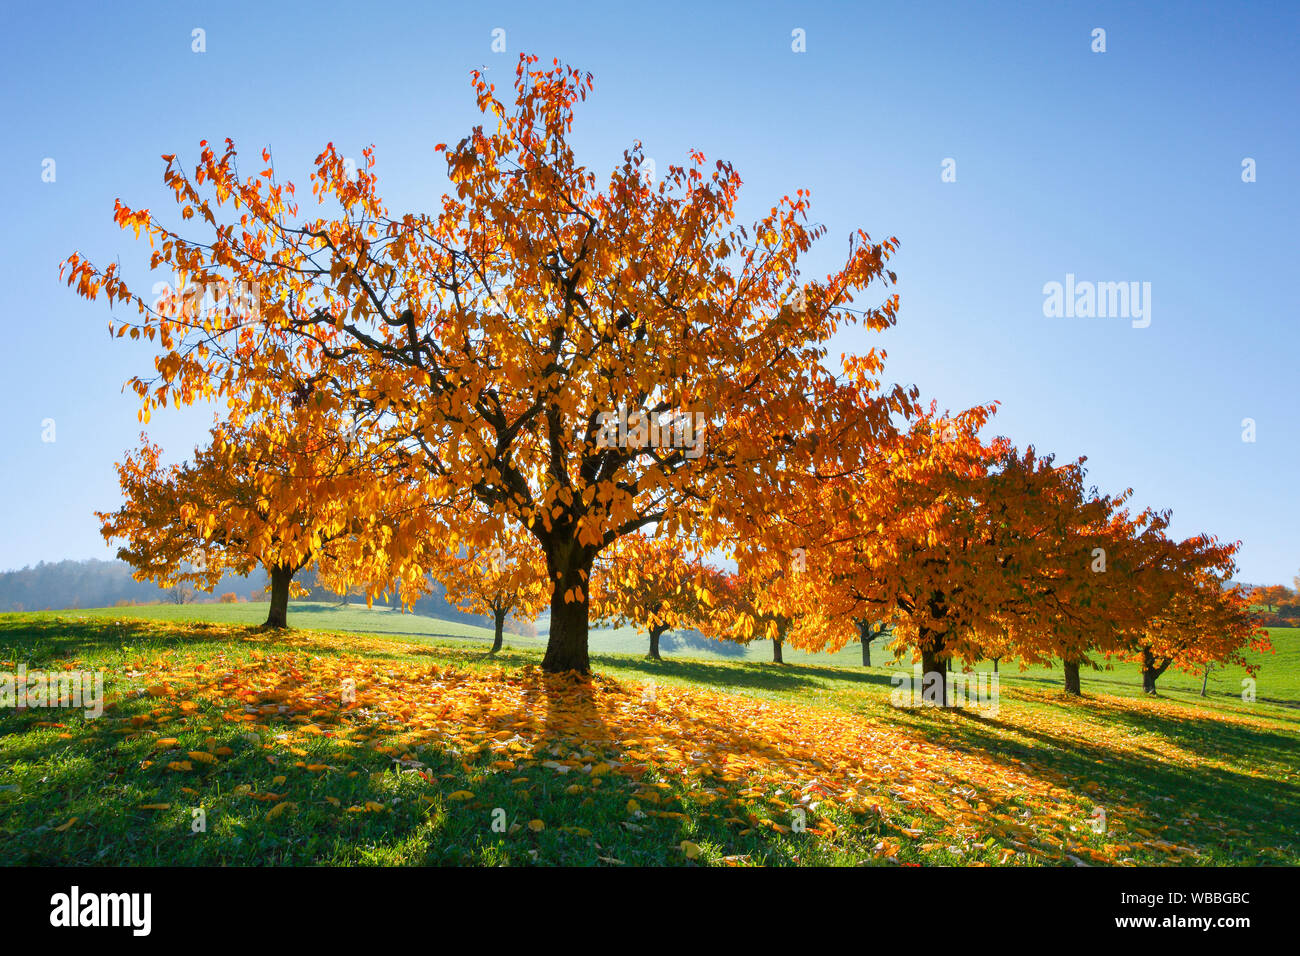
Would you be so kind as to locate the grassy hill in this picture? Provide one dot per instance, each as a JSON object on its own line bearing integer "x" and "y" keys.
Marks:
{"x": 406, "y": 743}
{"x": 1277, "y": 681}
{"x": 306, "y": 615}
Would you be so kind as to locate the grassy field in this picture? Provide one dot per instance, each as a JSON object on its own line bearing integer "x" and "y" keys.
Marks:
{"x": 305, "y": 615}
{"x": 405, "y": 743}
{"x": 1278, "y": 680}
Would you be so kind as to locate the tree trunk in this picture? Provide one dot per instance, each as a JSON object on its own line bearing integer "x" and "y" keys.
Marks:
{"x": 1151, "y": 670}
{"x": 499, "y": 626}
{"x": 776, "y": 651}
{"x": 278, "y": 616}
{"x": 655, "y": 632}
{"x": 1072, "y": 685}
{"x": 1205, "y": 682}
{"x": 866, "y": 634}
{"x": 995, "y": 665}
{"x": 933, "y": 672}
{"x": 569, "y": 566}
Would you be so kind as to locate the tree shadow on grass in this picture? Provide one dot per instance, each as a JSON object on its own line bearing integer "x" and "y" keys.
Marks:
{"x": 1110, "y": 682}
{"x": 1205, "y": 736}
{"x": 754, "y": 675}
{"x": 1269, "y": 809}
{"x": 47, "y": 640}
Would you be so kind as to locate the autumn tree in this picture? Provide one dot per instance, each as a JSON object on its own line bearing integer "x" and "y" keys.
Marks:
{"x": 1271, "y": 596}
{"x": 585, "y": 360}
{"x": 508, "y": 577}
{"x": 282, "y": 492}
{"x": 861, "y": 535}
{"x": 1198, "y": 617}
{"x": 965, "y": 547}
{"x": 868, "y": 631}
{"x": 654, "y": 583}
{"x": 770, "y": 599}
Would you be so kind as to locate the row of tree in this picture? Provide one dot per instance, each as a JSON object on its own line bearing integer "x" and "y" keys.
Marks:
{"x": 557, "y": 390}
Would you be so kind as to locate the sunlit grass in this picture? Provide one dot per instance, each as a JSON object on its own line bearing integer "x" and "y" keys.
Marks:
{"x": 451, "y": 755}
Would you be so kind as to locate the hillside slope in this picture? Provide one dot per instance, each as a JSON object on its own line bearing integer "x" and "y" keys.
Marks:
{"x": 314, "y": 747}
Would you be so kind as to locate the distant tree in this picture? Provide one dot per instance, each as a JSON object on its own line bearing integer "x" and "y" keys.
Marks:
{"x": 1272, "y": 596}
{"x": 284, "y": 491}
{"x": 1195, "y": 618}
{"x": 768, "y": 599}
{"x": 180, "y": 594}
{"x": 508, "y": 577}
{"x": 654, "y": 583}
{"x": 868, "y": 631}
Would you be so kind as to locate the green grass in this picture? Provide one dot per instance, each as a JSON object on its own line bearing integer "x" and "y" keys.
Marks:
{"x": 304, "y": 615}
{"x": 1217, "y": 775}
{"x": 1278, "y": 679}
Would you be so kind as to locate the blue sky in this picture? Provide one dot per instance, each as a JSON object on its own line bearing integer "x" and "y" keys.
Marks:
{"x": 1122, "y": 166}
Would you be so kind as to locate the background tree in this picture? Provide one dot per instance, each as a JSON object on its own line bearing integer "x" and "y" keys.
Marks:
{"x": 868, "y": 631}
{"x": 1197, "y": 617}
{"x": 960, "y": 545}
{"x": 767, "y": 600}
{"x": 507, "y": 578}
{"x": 1271, "y": 596}
{"x": 282, "y": 492}
{"x": 656, "y": 584}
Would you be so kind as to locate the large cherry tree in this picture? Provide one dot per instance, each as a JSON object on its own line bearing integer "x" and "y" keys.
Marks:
{"x": 583, "y": 358}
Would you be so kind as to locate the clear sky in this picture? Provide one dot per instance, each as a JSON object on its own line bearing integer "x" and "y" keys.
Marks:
{"x": 1122, "y": 166}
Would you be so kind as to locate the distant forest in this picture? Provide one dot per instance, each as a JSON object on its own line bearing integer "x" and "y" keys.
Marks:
{"x": 69, "y": 585}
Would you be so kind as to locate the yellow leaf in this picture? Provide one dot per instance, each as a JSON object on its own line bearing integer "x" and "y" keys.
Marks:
{"x": 280, "y": 809}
